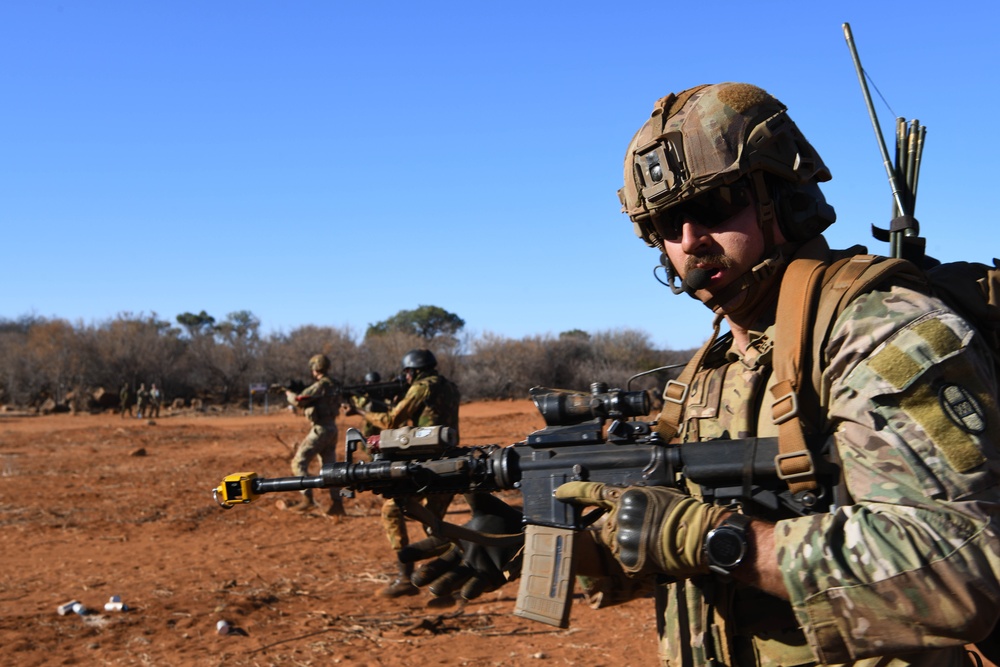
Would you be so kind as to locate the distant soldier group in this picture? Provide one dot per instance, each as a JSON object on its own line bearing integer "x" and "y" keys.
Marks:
{"x": 147, "y": 401}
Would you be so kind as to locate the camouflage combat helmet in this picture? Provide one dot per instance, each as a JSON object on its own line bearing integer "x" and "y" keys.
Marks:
{"x": 319, "y": 363}
{"x": 713, "y": 135}
{"x": 419, "y": 360}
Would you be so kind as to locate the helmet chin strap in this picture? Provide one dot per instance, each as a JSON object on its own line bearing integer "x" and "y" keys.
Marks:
{"x": 743, "y": 295}
{"x": 747, "y": 293}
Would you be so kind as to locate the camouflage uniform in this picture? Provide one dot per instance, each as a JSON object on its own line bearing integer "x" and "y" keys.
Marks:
{"x": 141, "y": 401}
{"x": 321, "y": 401}
{"x": 369, "y": 404}
{"x": 123, "y": 401}
{"x": 431, "y": 400}
{"x": 899, "y": 567}
{"x": 155, "y": 399}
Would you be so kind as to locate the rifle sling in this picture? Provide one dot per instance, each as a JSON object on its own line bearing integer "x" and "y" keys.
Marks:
{"x": 455, "y": 533}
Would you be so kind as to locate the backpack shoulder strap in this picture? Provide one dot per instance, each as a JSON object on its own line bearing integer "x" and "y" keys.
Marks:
{"x": 815, "y": 290}
{"x": 796, "y": 301}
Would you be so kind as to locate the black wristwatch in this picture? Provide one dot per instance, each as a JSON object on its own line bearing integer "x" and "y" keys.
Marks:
{"x": 726, "y": 545}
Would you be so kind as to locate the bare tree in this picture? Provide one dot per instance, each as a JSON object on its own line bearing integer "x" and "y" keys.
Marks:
{"x": 134, "y": 349}
{"x": 16, "y": 367}
{"x": 234, "y": 358}
{"x": 384, "y": 352}
{"x": 40, "y": 357}
{"x": 616, "y": 355}
{"x": 285, "y": 356}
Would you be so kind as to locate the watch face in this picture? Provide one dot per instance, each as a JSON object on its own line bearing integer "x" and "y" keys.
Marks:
{"x": 726, "y": 547}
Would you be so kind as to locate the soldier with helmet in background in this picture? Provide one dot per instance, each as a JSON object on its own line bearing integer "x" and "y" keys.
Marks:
{"x": 903, "y": 566}
{"x": 370, "y": 403}
{"x": 431, "y": 400}
{"x": 124, "y": 406}
{"x": 155, "y": 400}
{"x": 321, "y": 404}
{"x": 142, "y": 401}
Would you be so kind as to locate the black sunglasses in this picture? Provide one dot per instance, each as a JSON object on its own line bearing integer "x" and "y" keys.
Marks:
{"x": 709, "y": 210}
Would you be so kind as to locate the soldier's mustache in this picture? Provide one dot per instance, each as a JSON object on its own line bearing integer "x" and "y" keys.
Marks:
{"x": 718, "y": 261}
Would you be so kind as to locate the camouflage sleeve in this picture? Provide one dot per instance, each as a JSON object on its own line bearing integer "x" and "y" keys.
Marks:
{"x": 404, "y": 411}
{"x": 309, "y": 395}
{"x": 913, "y": 563}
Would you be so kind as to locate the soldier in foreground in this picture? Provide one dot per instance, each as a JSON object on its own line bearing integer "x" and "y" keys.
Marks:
{"x": 431, "y": 400}
{"x": 903, "y": 567}
{"x": 321, "y": 403}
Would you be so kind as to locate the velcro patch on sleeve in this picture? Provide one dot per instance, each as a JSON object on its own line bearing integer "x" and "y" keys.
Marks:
{"x": 895, "y": 366}
{"x": 950, "y": 416}
{"x": 915, "y": 350}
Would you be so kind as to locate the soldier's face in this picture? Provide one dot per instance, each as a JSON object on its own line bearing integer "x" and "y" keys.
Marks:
{"x": 726, "y": 248}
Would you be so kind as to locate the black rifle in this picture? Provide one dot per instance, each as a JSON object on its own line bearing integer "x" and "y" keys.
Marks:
{"x": 386, "y": 392}
{"x": 573, "y": 446}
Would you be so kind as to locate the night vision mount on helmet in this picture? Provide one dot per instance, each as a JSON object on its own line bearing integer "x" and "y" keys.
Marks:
{"x": 712, "y": 135}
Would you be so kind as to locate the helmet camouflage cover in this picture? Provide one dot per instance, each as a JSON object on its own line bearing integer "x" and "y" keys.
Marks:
{"x": 319, "y": 363}
{"x": 708, "y": 136}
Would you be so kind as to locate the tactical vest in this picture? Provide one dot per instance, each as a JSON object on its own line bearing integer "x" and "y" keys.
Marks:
{"x": 732, "y": 623}
{"x": 441, "y": 405}
{"x": 816, "y": 288}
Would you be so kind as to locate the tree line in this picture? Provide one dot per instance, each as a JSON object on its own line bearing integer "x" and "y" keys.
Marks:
{"x": 82, "y": 366}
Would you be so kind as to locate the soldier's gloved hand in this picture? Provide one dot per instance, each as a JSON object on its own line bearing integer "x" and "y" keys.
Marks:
{"x": 650, "y": 529}
{"x": 469, "y": 568}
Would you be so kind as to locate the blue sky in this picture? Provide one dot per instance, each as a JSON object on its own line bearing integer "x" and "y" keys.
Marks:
{"x": 332, "y": 163}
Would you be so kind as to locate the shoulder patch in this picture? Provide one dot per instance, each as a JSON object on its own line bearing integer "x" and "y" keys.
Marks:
{"x": 962, "y": 408}
{"x": 948, "y": 416}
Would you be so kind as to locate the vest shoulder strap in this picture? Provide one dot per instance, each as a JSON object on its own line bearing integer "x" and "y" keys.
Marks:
{"x": 815, "y": 290}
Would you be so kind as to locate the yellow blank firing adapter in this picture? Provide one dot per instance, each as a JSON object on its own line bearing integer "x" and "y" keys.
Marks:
{"x": 235, "y": 489}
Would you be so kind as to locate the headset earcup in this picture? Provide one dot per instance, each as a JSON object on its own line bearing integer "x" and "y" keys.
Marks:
{"x": 802, "y": 210}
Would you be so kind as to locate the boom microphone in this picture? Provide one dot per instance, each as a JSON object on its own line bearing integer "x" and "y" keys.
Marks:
{"x": 696, "y": 279}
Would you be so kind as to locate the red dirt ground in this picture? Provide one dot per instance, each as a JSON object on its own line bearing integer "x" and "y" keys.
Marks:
{"x": 95, "y": 506}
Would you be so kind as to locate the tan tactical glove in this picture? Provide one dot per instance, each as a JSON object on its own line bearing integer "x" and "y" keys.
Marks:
{"x": 651, "y": 529}
{"x": 600, "y": 577}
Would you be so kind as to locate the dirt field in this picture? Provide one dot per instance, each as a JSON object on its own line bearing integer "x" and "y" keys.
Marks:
{"x": 95, "y": 506}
